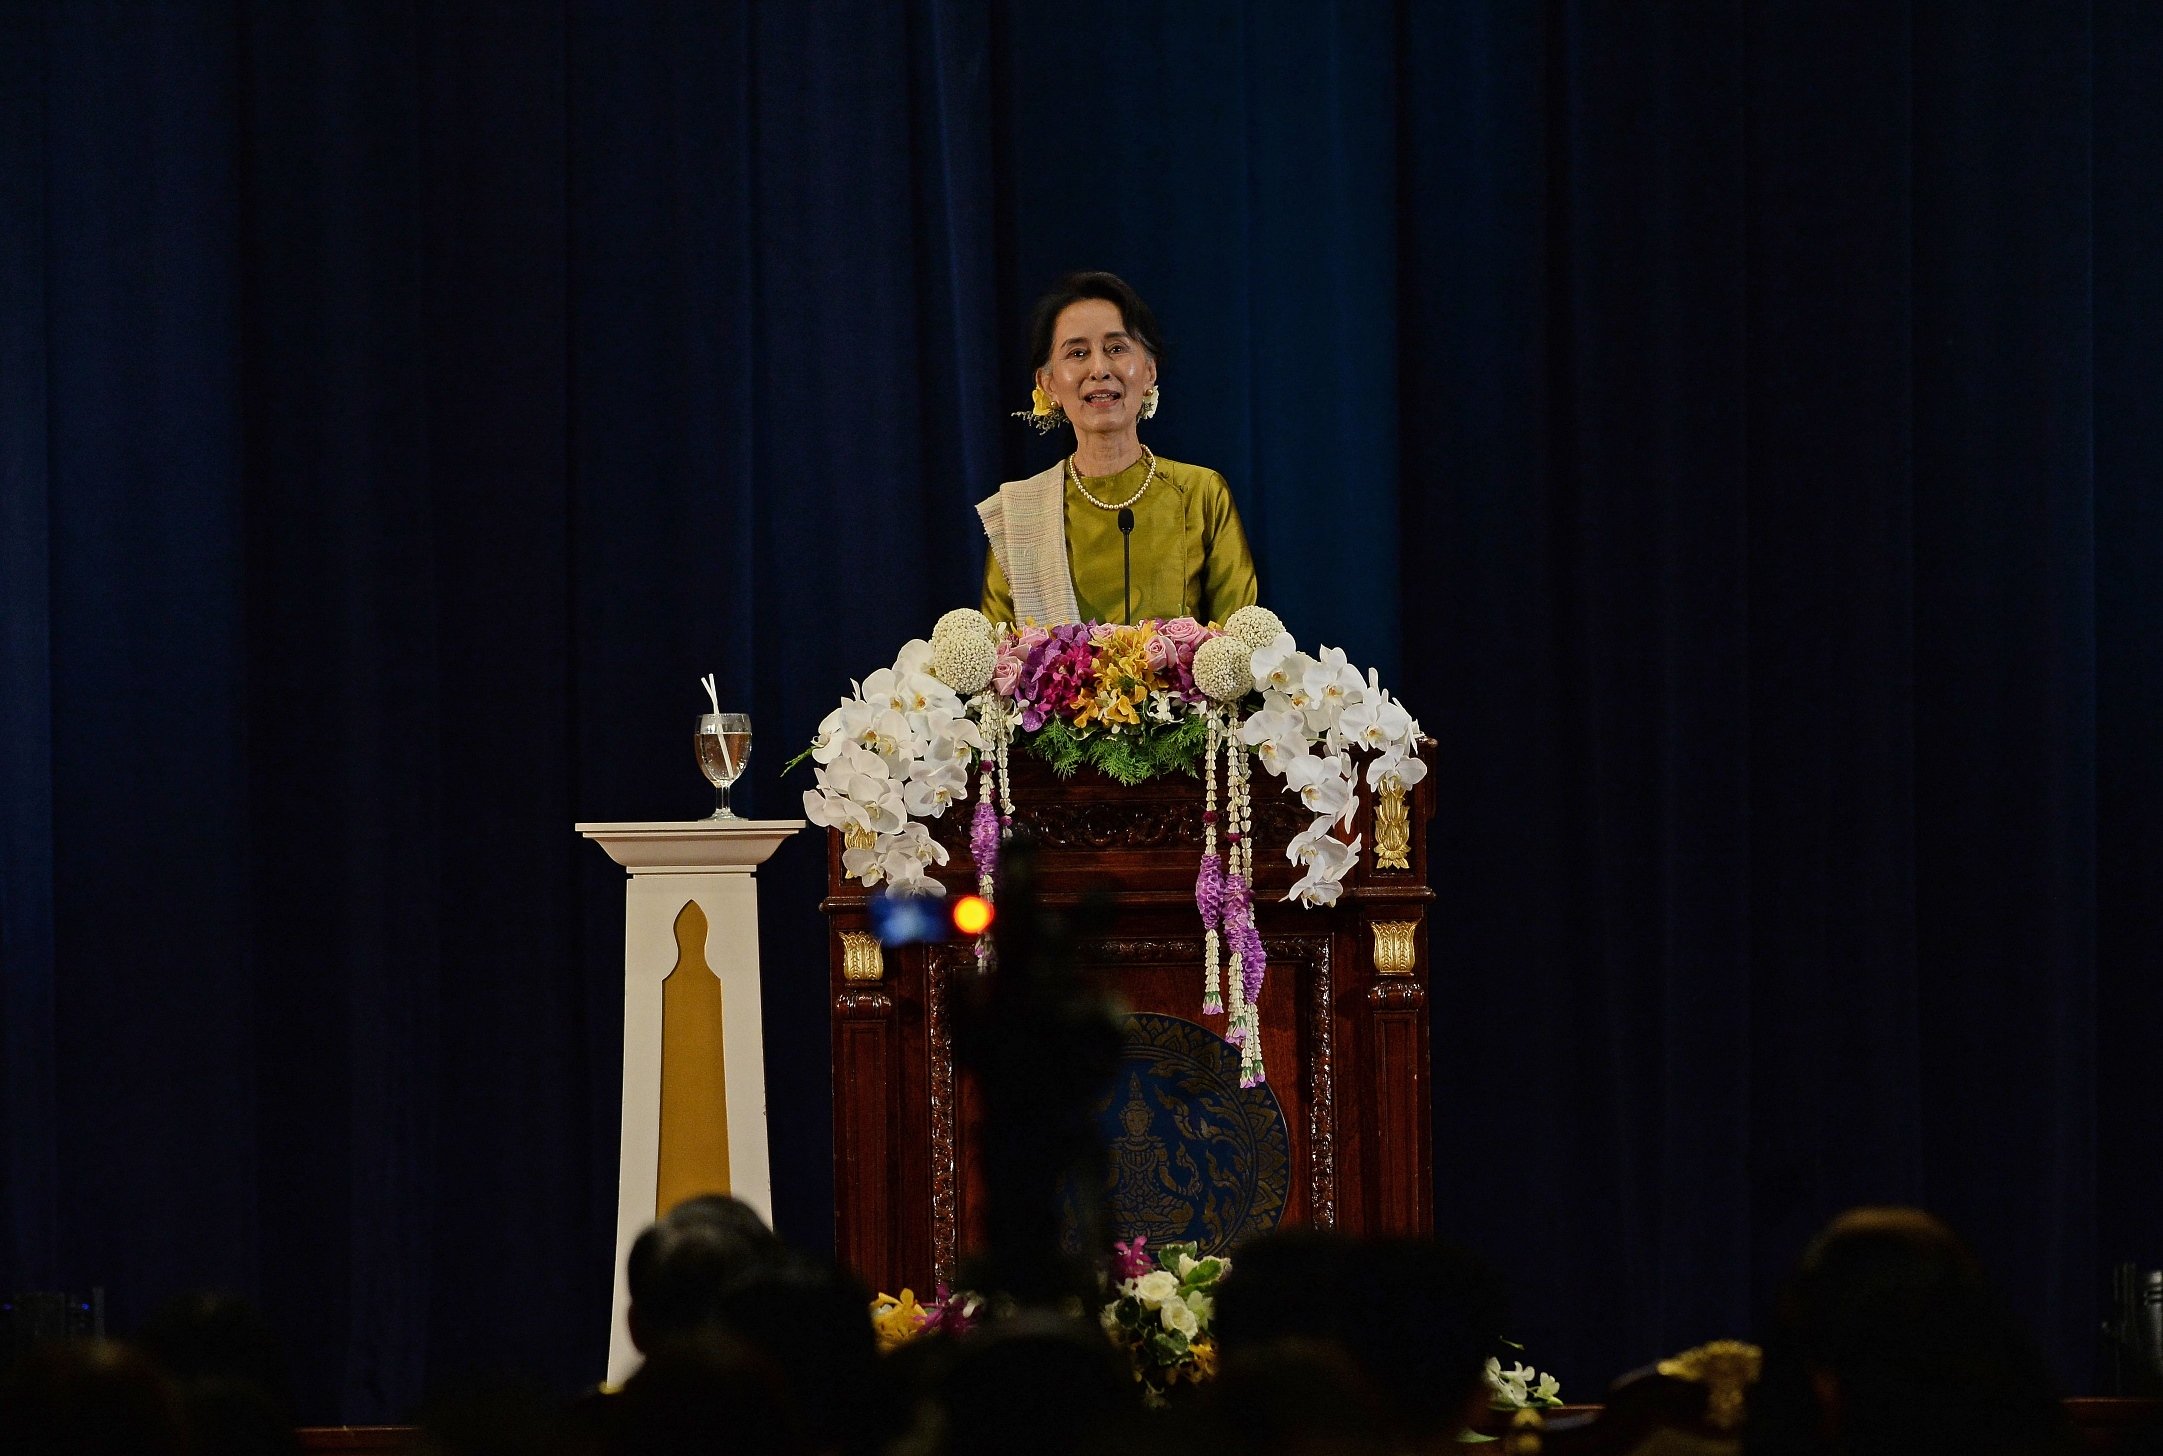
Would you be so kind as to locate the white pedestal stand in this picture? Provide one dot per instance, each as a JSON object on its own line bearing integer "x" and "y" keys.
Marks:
{"x": 717, "y": 1132}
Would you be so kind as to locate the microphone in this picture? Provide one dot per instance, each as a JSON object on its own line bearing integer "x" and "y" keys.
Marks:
{"x": 1126, "y": 557}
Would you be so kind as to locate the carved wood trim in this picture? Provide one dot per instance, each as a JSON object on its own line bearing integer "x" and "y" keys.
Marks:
{"x": 1321, "y": 1089}
{"x": 941, "y": 965}
{"x": 863, "y": 1005}
{"x": 1131, "y": 823}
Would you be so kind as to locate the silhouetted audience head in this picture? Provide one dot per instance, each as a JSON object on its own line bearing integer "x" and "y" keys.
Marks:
{"x": 1292, "y": 1398}
{"x": 682, "y": 1268}
{"x": 1888, "y": 1341}
{"x": 705, "y": 1392}
{"x": 1416, "y": 1319}
{"x": 1039, "y": 1384}
{"x": 230, "y": 1368}
{"x": 89, "y": 1398}
{"x": 812, "y": 1325}
{"x": 485, "y": 1414}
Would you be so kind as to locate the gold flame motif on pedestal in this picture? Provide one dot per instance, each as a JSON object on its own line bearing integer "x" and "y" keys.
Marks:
{"x": 1392, "y": 826}
{"x": 1396, "y": 950}
{"x": 861, "y": 959}
{"x": 694, "y": 1146}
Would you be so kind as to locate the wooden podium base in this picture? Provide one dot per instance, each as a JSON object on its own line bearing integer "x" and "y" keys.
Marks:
{"x": 1345, "y": 1034}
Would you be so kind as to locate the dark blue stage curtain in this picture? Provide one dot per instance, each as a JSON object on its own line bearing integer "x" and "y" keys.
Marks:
{"x": 1734, "y": 427}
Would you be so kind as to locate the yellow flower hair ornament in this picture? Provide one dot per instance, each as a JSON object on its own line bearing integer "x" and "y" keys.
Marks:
{"x": 1043, "y": 414}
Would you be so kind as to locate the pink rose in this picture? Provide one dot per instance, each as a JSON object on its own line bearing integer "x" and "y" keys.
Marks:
{"x": 1160, "y": 652}
{"x": 1186, "y": 632}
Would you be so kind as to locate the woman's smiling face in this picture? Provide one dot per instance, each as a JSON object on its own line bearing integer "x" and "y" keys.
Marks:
{"x": 1098, "y": 371}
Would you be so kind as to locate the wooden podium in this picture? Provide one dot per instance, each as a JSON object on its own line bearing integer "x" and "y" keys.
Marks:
{"x": 1344, "y": 1013}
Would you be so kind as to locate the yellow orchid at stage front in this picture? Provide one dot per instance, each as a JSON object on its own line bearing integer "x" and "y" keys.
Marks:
{"x": 896, "y": 1320}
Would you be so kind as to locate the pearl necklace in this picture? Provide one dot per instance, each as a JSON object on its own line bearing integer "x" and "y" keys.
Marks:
{"x": 1075, "y": 476}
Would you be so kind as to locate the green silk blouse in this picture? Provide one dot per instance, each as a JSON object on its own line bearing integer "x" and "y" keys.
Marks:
{"x": 1190, "y": 554}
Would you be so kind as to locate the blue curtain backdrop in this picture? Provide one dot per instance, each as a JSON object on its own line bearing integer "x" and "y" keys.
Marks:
{"x": 1734, "y": 427}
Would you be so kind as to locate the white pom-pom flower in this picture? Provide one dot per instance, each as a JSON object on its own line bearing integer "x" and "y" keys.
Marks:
{"x": 963, "y": 661}
{"x": 961, "y": 622}
{"x": 1256, "y": 626}
{"x": 1221, "y": 668}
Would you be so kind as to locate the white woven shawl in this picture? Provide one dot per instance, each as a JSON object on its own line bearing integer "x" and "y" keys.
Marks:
{"x": 1026, "y": 522}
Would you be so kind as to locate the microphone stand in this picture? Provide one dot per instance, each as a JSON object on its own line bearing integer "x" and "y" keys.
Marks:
{"x": 1126, "y": 559}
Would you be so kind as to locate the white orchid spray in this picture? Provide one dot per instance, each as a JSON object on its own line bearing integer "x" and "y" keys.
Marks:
{"x": 1520, "y": 1387}
{"x": 896, "y": 751}
{"x": 1316, "y": 712}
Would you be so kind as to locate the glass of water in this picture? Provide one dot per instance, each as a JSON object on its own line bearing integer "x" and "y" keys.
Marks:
{"x": 724, "y": 742}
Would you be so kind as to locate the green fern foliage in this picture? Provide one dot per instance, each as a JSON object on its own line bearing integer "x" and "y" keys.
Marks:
{"x": 1129, "y": 757}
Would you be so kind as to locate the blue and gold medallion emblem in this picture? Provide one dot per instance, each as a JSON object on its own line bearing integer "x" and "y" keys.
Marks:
{"x": 1193, "y": 1155}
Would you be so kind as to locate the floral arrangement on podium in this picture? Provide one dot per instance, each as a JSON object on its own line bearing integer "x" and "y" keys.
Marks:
{"x": 1134, "y": 701}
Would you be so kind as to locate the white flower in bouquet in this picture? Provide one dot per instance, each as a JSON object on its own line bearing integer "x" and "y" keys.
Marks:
{"x": 1154, "y": 1288}
{"x": 963, "y": 661}
{"x": 1221, "y": 669}
{"x": 910, "y": 686}
{"x": 1278, "y": 664}
{"x": 1520, "y": 1387}
{"x": 903, "y": 858}
{"x": 961, "y": 622}
{"x": 856, "y": 791}
{"x": 845, "y": 725}
{"x": 933, "y": 786}
{"x": 1179, "y": 1318}
{"x": 1324, "y": 785}
{"x": 1255, "y": 625}
{"x": 946, "y": 740}
{"x": 1328, "y": 860}
{"x": 1332, "y": 685}
{"x": 1375, "y": 722}
{"x": 1277, "y": 735}
{"x": 1398, "y": 763}
{"x": 893, "y": 738}
{"x": 1203, "y": 1305}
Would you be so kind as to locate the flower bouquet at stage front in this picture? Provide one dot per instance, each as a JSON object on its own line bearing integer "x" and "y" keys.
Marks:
{"x": 1158, "y": 1307}
{"x": 1134, "y": 702}
{"x": 1162, "y": 1312}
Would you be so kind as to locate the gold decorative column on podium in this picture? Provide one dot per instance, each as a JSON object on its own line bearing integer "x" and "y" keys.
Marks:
{"x": 694, "y": 1065}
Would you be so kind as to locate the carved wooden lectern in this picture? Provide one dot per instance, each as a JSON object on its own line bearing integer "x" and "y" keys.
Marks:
{"x": 1339, "y": 1138}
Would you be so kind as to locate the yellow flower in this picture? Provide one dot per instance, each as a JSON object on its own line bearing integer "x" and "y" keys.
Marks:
{"x": 1201, "y": 1361}
{"x": 1041, "y": 403}
{"x": 895, "y": 1322}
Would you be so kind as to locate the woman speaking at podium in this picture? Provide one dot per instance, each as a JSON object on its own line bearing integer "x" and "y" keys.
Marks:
{"x": 1112, "y": 533}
